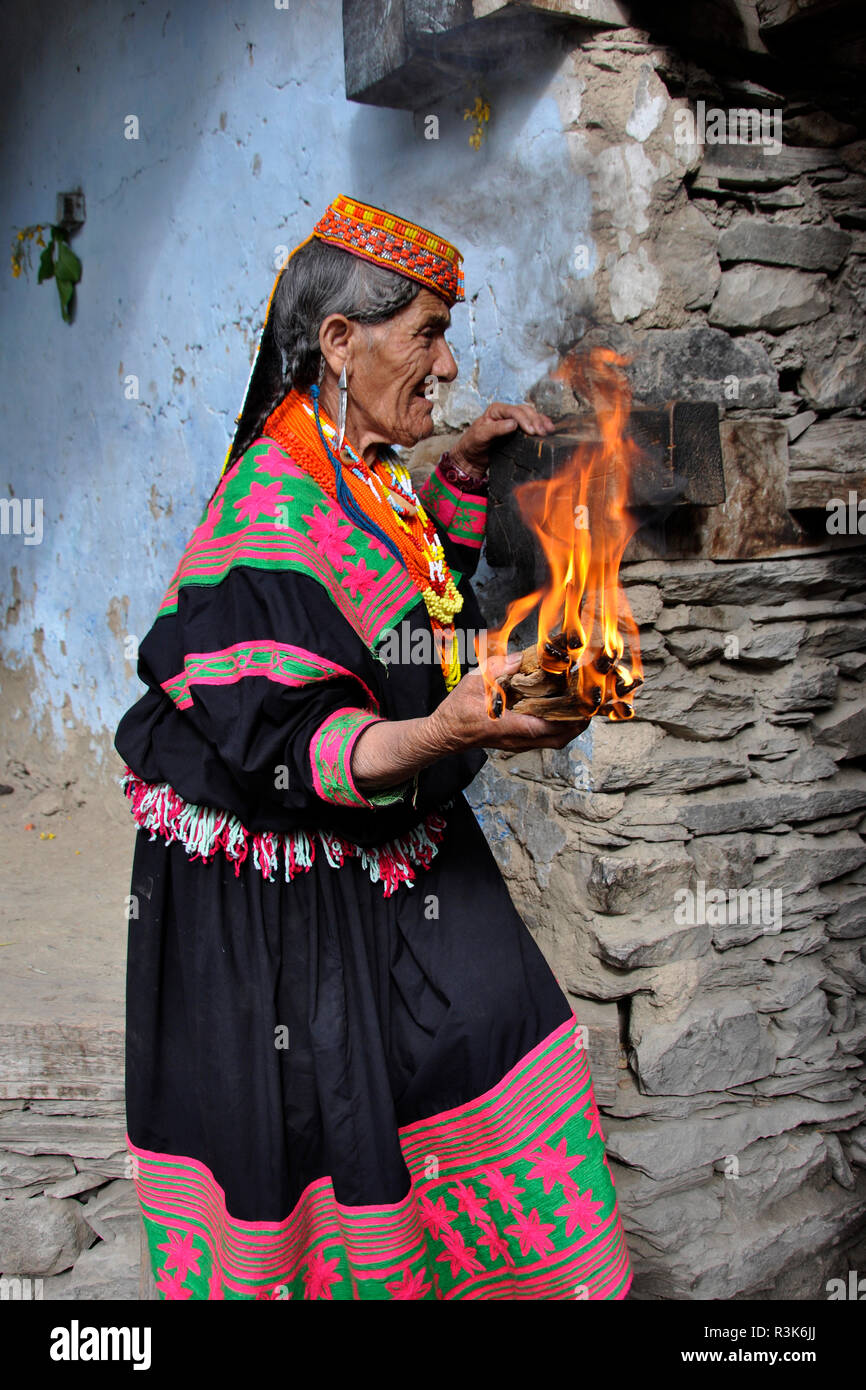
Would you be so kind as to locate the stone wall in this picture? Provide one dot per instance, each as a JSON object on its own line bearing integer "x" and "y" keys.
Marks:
{"x": 71, "y": 1222}
{"x": 697, "y": 877}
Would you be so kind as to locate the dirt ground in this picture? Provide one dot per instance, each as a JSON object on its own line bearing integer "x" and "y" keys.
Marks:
{"x": 65, "y": 864}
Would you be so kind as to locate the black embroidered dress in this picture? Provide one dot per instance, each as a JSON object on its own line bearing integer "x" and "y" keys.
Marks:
{"x": 350, "y": 1072}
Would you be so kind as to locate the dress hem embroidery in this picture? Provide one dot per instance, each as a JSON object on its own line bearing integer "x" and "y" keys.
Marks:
{"x": 510, "y": 1198}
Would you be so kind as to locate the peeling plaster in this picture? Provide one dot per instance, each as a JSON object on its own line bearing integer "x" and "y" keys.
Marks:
{"x": 634, "y": 285}
{"x": 623, "y": 185}
{"x": 650, "y": 101}
{"x": 179, "y": 259}
{"x": 655, "y": 252}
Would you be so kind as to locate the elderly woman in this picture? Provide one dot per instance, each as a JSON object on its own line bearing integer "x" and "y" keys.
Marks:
{"x": 350, "y": 1072}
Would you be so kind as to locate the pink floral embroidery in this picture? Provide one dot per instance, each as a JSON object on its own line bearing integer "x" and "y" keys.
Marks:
{"x": 211, "y": 521}
{"x": 320, "y": 1274}
{"x": 262, "y": 498}
{"x": 591, "y": 1113}
{"x": 496, "y": 1244}
{"x": 469, "y": 1201}
{"x": 460, "y": 1256}
{"x": 380, "y": 547}
{"x": 540, "y": 1101}
{"x": 276, "y": 464}
{"x": 413, "y": 1286}
{"x": 580, "y": 1210}
{"x": 503, "y": 1187}
{"x": 359, "y": 578}
{"x": 172, "y": 1286}
{"x": 436, "y": 1218}
{"x": 552, "y": 1165}
{"x": 181, "y": 1254}
{"x": 532, "y": 1233}
{"x": 328, "y": 532}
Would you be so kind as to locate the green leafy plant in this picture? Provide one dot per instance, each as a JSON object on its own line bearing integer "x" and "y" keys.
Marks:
{"x": 58, "y": 262}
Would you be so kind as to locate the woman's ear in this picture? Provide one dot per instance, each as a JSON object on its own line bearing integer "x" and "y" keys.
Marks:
{"x": 335, "y": 336}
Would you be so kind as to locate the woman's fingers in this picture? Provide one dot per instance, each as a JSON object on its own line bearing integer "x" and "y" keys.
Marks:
{"x": 557, "y": 734}
{"x": 530, "y": 726}
{"x": 530, "y": 420}
{"x": 467, "y": 708}
{"x": 503, "y": 664}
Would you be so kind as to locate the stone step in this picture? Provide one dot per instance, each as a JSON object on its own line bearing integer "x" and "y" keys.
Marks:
{"x": 61, "y": 1061}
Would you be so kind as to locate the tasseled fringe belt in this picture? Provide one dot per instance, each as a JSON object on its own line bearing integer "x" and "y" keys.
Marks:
{"x": 202, "y": 832}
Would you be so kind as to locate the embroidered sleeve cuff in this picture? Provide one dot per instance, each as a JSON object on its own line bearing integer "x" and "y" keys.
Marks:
{"x": 462, "y": 514}
{"x": 331, "y": 758}
{"x": 392, "y": 794}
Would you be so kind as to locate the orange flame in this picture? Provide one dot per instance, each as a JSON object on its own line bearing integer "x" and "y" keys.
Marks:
{"x": 583, "y": 523}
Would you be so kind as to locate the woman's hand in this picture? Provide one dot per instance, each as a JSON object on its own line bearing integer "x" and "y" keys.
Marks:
{"x": 462, "y": 721}
{"x": 393, "y": 750}
{"x": 472, "y": 448}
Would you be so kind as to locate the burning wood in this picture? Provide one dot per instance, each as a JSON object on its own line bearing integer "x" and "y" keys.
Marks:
{"x": 550, "y": 684}
{"x": 586, "y": 660}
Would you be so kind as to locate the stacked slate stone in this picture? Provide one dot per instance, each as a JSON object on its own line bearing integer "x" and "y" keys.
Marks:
{"x": 71, "y": 1225}
{"x": 697, "y": 877}
{"x": 771, "y": 1007}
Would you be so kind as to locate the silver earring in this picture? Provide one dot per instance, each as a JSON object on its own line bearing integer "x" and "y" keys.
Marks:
{"x": 343, "y": 388}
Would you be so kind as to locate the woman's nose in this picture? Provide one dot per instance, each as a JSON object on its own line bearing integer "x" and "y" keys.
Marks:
{"x": 445, "y": 367}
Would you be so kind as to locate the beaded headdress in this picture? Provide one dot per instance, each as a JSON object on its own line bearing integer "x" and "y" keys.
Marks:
{"x": 394, "y": 243}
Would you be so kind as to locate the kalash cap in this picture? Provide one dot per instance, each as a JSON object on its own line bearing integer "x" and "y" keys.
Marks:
{"x": 394, "y": 243}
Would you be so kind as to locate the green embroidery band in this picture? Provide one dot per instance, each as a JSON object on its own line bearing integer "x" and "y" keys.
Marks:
{"x": 290, "y": 524}
{"x": 462, "y": 515}
{"x": 519, "y": 1204}
{"x": 331, "y": 755}
{"x": 276, "y": 661}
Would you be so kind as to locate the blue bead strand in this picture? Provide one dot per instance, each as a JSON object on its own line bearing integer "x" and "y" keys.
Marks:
{"x": 344, "y": 496}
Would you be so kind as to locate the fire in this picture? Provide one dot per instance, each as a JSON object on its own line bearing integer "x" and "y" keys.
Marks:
{"x": 586, "y": 631}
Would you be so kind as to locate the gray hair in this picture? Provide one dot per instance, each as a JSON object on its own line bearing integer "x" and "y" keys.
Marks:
{"x": 319, "y": 280}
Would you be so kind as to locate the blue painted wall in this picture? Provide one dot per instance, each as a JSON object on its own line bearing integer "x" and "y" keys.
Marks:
{"x": 245, "y": 135}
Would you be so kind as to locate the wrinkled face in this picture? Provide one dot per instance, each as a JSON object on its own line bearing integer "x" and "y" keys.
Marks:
{"x": 391, "y": 364}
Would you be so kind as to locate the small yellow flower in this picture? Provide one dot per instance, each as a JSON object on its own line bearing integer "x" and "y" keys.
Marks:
{"x": 20, "y": 236}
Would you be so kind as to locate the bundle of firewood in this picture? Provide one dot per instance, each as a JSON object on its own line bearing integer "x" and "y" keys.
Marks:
{"x": 559, "y": 679}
